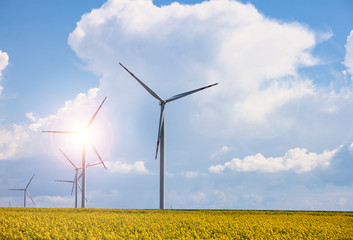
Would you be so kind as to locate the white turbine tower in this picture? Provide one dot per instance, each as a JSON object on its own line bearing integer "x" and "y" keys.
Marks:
{"x": 84, "y": 152}
{"x": 25, "y": 192}
{"x": 75, "y": 182}
{"x": 161, "y": 132}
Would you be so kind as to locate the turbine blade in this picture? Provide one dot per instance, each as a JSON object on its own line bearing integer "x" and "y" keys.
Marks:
{"x": 73, "y": 185}
{"x": 75, "y": 181}
{"x": 30, "y": 181}
{"x": 78, "y": 179}
{"x": 161, "y": 122}
{"x": 79, "y": 186}
{"x": 188, "y": 93}
{"x": 65, "y": 132}
{"x": 15, "y": 189}
{"x": 95, "y": 114}
{"x": 68, "y": 181}
{"x": 144, "y": 85}
{"x": 94, "y": 148}
{"x": 68, "y": 159}
{"x": 93, "y": 164}
{"x": 29, "y": 195}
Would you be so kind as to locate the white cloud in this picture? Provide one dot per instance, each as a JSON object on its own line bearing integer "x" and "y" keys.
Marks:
{"x": 71, "y": 115}
{"x": 254, "y": 58}
{"x": 136, "y": 167}
{"x": 31, "y": 116}
{"x": 4, "y": 61}
{"x": 13, "y": 140}
{"x": 298, "y": 160}
{"x": 348, "y": 60}
{"x": 258, "y": 106}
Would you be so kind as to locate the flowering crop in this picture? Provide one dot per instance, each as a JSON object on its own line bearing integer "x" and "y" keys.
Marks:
{"x": 50, "y": 223}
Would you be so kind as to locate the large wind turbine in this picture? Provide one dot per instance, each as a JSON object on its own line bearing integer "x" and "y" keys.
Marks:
{"x": 84, "y": 151}
{"x": 161, "y": 133}
{"x": 25, "y": 192}
{"x": 75, "y": 183}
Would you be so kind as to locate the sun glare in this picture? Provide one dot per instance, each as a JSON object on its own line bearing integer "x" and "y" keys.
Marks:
{"x": 99, "y": 134}
{"x": 82, "y": 137}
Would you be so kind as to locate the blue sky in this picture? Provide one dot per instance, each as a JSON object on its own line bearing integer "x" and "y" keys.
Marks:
{"x": 275, "y": 133}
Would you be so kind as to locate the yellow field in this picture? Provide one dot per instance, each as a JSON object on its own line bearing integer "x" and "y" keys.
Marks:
{"x": 39, "y": 223}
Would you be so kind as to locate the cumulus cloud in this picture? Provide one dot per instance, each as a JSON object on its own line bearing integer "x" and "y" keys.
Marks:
{"x": 298, "y": 160}
{"x": 12, "y": 140}
{"x": 255, "y": 59}
{"x": 136, "y": 167}
{"x": 348, "y": 60}
{"x": 4, "y": 61}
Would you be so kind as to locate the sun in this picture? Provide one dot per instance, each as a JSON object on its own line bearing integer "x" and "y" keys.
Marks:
{"x": 83, "y": 136}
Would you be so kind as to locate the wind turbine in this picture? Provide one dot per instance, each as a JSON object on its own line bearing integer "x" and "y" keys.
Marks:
{"x": 161, "y": 133}
{"x": 25, "y": 192}
{"x": 75, "y": 183}
{"x": 84, "y": 151}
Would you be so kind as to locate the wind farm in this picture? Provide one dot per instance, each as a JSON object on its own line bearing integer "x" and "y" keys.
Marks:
{"x": 176, "y": 119}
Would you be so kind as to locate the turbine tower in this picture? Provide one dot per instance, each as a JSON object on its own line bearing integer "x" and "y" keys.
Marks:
{"x": 25, "y": 192}
{"x": 161, "y": 129}
{"x": 84, "y": 152}
{"x": 75, "y": 182}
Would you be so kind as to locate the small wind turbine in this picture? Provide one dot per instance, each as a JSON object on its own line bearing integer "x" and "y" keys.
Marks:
{"x": 84, "y": 152}
{"x": 25, "y": 192}
{"x": 75, "y": 183}
{"x": 160, "y": 138}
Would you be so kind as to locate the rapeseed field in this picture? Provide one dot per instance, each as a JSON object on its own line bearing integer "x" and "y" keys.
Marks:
{"x": 49, "y": 223}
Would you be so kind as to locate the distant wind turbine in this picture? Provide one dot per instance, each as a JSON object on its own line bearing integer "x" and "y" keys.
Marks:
{"x": 75, "y": 182}
{"x": 25, "y": 192}
{"x": 84, "y": 152}
{"x": 161, "y": 133}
